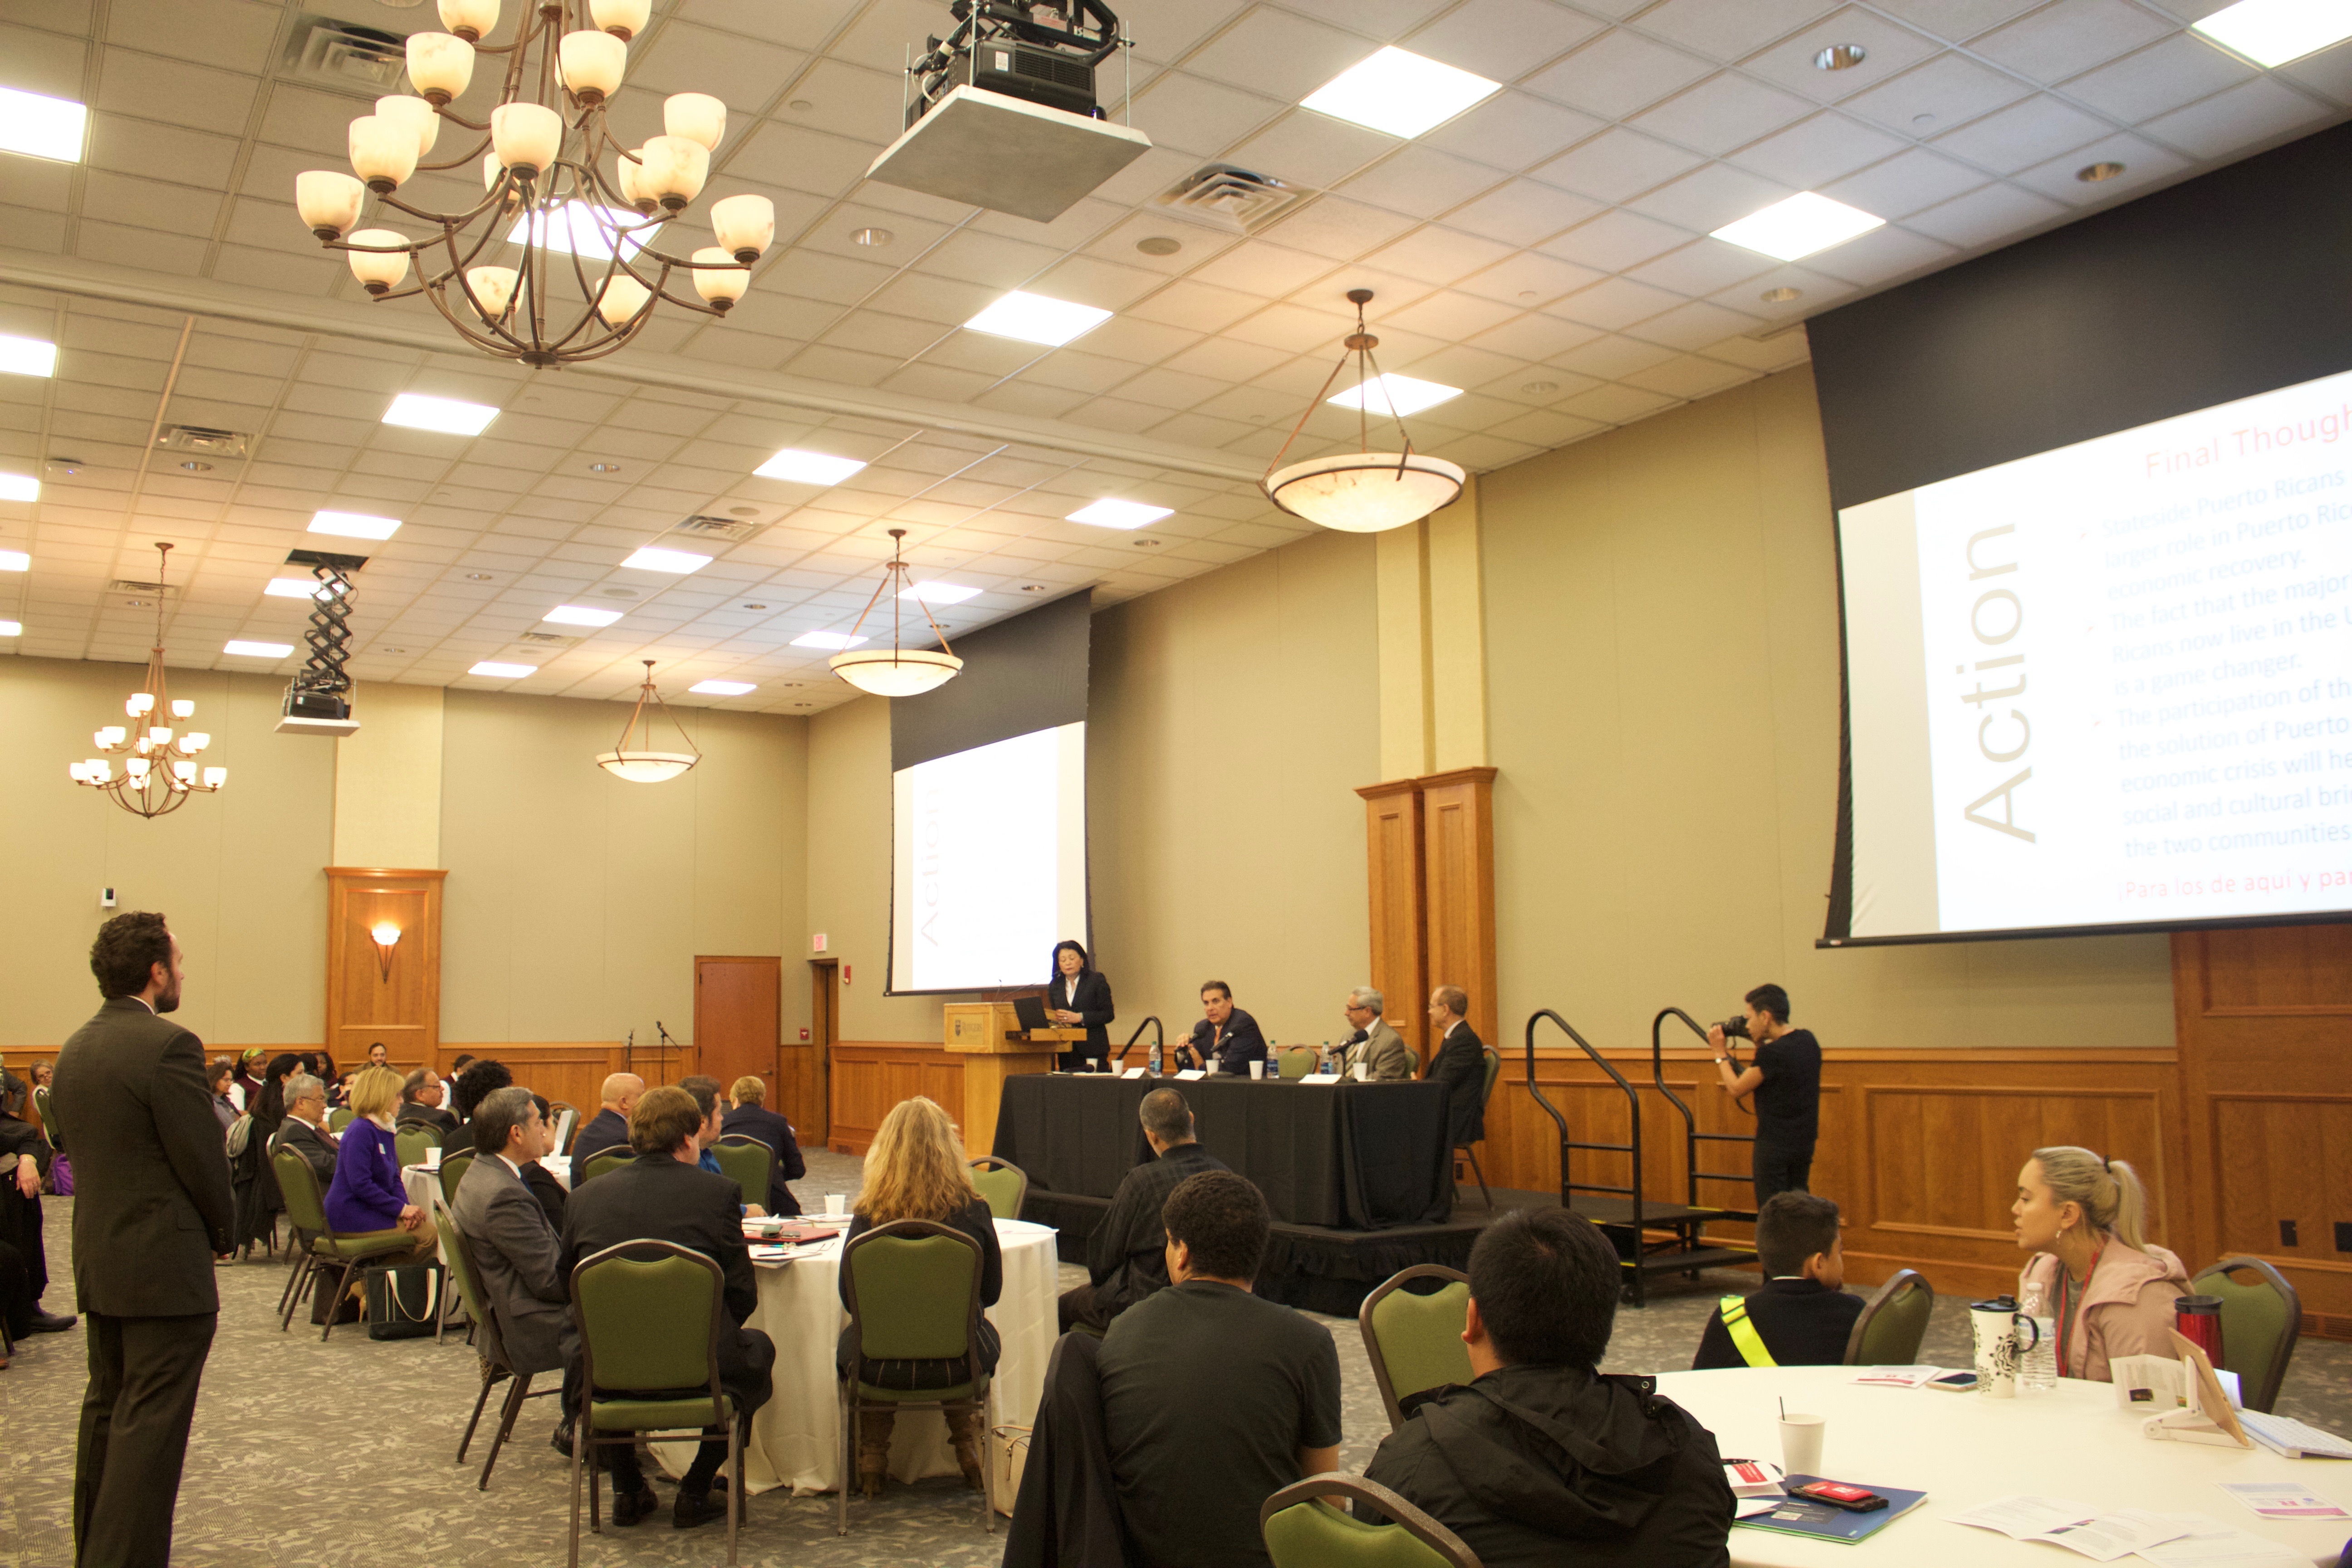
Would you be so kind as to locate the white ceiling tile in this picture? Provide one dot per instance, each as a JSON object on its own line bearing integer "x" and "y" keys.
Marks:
{"x": 1338, "y": 227}
{"x": 157, "y": 151}
{"x": 1708, "y": 198}
{"x": 2328, "y": 71}
{"x": 1816, "y": 150}
{"x": 2144, "y": 165}
{"x": 1420, "y": 181}
{"x": 1542, "y": 336}
{"x": 1312, "y": 150}
{"x": 1546, "y": 429}
{"x": 2033, "y": 132}
{"x": 1383, "y": 19}
{"x": 1886, "y": 49}
{"x": 1906, "y": 184}
{"x": 1452, "y": 316}
{"x": 1702, "y": 266}
{"x": 48, "y": 187}
{"x": 986, "y": 259}
{"x": 1616, "y": 74}
{"x": 1615, "y": 303}
{"x": 1615, "y": 241}
{"x": 1177, "y": 26}
{"x": 1947, "y": 90}
{"x": 2067, "y": 36}
{"x": 1528, "y": 280}
{"x": 1180, "y": 110}
{"x": 1258, "y": 267}
{"x": 1953, "y": 20}
{"x": 2163, "y": 77}
{"x": 1882, "y": 254}
{"x": 1695, "y": 325}
{"x": 743, "y": 72}
{"x": 2239, "y": 117}
{"x": 1726, "y": 29}
{"x": 1689, "y": 377}
{"x": 45, "y": 62}
{"x": 1521, "y": 213}
{"x": 802, "y": 159}
{"x": 1616, "y": 165}
{"x": 1279, "y": 54}
{"x": 1617, "y": 404}
{"x": 1502, "y": 40}
{"x": 1511, "y": 131}
{"x": 1196, "y": 242}
{"x": 1981, "y": 216}
{"x": 1815, "y": 291}
{"x": 174, "y": 93}
{"x": 1722, "y": 112}
{"x": 1202, "y": 307}
{"x": 805, "y": 24}
{"x": 1436, "y": 255}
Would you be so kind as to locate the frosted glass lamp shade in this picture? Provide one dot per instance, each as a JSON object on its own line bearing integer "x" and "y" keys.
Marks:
{"x": 527, "y": 136}
{"x": 745, "y": 225}
{"x": 413, "y": 112}
{"x": 623, "y": 18}
{"x": 469, "y": 18}
{"x": 1365, "y": 492}
{"x": 493, "y": 288}
{"x": 696, "y": 116}
{"x": 195, "y": 741}
{"x": 383, "y": 152}
{"x": 592, "y": 65}
{"x": 674, "y": 169}
{"x": 183, "y": 709}
{"x": 646, "y": 767}
{"x": 440, "y": 65}
{"x": 896, "y": 672}
{"x": 383, "y": 933}
{"x": 186, "y": 772}
{"x": 381, "y": 269}
{"x": 328, "y": 200}
{"x": 626, "y": 171}
{"x": 621, "y": 298}
{"x": 216, "y": 777}
{"x": 724, "y": 284}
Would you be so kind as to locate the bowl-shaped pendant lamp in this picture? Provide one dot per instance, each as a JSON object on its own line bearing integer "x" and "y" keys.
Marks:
{"x": 1364, "y": 491}
{"x": 896, "y": 671}
{"x": 633, "y": 758}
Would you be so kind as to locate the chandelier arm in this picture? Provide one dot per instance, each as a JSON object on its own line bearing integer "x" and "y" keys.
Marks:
{"x": 1404, "y": 437}
{"x": 494, "y": 196}
{"x": 463, "y": 159}
{"x": 683, "y": 303}
{"x": 534, "y": 272}
{"x": 488, "y": 345}
{"x": 887, "y": 580}
{"x": 615, "y": 345}
{"x": 1315, "y": 403}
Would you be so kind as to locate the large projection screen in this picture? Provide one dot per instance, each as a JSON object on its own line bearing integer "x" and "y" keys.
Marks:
{"x": 2107, "y": 686}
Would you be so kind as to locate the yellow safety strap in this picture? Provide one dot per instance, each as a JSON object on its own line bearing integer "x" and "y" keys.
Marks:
{"x": 1743, "y": 1333}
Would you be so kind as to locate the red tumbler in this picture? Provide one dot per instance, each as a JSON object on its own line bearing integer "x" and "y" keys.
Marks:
{"x": 2198, "y": 1319}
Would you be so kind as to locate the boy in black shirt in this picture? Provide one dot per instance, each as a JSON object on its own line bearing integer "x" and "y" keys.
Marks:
{"x": 1786, "y": 1079}
{"x": 1802, "y": 1316}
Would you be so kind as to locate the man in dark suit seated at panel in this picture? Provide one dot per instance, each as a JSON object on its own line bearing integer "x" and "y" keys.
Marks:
{"x": 515, "y": 1246}
{"x": 609, "y": 1128}
{"x": 1225, "y": 1036}
{"x": 1460, "y": 1063}
{"x": 747, "y": 1114}
{"x": 1127, "y": 1254}
{"x": 664, "y": 1195}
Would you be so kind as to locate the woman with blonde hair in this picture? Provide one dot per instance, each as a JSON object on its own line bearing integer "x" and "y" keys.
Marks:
{"x": 916, "y": 1170}
{"x": 367, "y": 1197}
{"x": 2108, "y": 1290}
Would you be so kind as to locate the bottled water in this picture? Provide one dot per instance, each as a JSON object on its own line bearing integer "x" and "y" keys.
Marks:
{"x": 2037, "y": 1369}
{"x": 1155, "y": 1058}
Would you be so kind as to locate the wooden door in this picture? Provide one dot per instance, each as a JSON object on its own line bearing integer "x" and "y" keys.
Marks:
{"x": 738, "y": 1003}
{"x": 814, "y": 1080}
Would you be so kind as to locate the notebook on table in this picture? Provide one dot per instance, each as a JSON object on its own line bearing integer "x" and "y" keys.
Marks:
{"x": 1819, "y": 1522}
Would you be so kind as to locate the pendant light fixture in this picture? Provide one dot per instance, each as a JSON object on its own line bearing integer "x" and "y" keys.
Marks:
{"x": 161, "y": 770}
{"x": 639, "y": 764}
{"x": 1364, "y": 491}
{"x": 897, "y": 672}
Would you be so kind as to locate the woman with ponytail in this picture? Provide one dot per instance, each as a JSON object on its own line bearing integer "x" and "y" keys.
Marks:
{"x": 2109, "y": 1290}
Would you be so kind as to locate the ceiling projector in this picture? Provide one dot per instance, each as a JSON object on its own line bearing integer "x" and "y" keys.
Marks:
{"x": 318, "y": 699}
{"x": 1003, "y": 112}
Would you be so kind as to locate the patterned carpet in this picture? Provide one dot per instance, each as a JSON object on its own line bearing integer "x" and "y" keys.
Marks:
{"x": 292, "y": 1435}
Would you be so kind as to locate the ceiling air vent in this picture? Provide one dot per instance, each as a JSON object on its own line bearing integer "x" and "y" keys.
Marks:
{"x": 346, "y": 57}
{"x": 1238, "y": 201}
{"x": 546, "y": 639}
{"x": 198, "y": 439}
{"x": 733, "y": 528}
{"x": 125, "y": 587}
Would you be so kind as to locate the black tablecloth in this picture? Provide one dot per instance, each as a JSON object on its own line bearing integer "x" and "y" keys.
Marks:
{"x": 1351, "y": 1156}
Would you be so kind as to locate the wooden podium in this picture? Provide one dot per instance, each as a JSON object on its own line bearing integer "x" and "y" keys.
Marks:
{"x": 988, "y": 1037}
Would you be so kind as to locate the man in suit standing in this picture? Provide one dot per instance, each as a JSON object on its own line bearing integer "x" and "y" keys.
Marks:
{"x": 1377, "y": 1047}
{"x": 748, "y": 1116}
{"x": 152, "y": 1207}
{"x": 1460, "y": 1063}
{"x": 609, "y": 1128}
{"x": 515, "y": 1249}
{"x": 664, "y": 1195}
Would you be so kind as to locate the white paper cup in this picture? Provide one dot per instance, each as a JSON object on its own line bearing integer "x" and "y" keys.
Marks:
{"x": 1258, "y": 1070}
{"x": 1094, "y": 1064}
{"x": 1361, "y": 1072}
{"x": 432, "y": 1159}
{"x": 836, "y": 1205}
{"x": 1800, "y": 1444}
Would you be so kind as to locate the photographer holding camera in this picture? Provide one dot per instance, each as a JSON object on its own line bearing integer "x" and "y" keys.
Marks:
{"x": 1786, "y": 1080}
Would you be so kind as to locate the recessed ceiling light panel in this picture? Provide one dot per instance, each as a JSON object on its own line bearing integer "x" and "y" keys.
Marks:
{"x": 2273, "y": 32}
{"x": 15, "y": 561}
{"x": 259, "y": 649}
{"x": 354, "y": 525}
{"x": 12, "y": 629}
{"x": 1034, "y": 319}
{"x": 446, "y": 415}
{"x": 1119, "y": 513}
{"x": 581, "y": 615}
{"x": 808, "y": 468}
{"x": 19, "y": 487}
{"x": 836, "y": 640}
{"x": 940, "y": 593}
{"x": 1390, "y": 393}
{"x": 724, "y": 688}
{"x": 650, "y": 559}
{"x": 1399, "y": 93}
{"x": 27, "y": 356}
{"x": 40, "y": 126}
{"x": 498, "y": 671}
{"x": 1805, "y": 223}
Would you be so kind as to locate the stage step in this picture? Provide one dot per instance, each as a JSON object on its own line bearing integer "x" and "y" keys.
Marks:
{"x": 1697, "y": 1257}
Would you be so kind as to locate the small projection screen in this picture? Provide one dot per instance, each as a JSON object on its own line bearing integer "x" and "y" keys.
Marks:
{"x": 987, "y": 779}
{"x": 2093, "y": 500}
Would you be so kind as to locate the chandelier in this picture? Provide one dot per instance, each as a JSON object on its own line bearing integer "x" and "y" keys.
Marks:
{"x": 160, "y": 770}
{"x": 899, "y": 671}
{"x": 637, "y": 764}
{"x": 588, "y": 277}
{"x": 1361, "y": 491}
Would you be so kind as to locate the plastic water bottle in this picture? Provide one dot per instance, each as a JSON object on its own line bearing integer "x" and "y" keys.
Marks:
{"x": 1155, "y": 1058}
{"x": 1323, "y": 1060}
{"x": 2037, "y": 1369}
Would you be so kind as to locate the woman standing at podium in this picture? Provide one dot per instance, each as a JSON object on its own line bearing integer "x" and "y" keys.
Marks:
{"x": 1078, "y": 994}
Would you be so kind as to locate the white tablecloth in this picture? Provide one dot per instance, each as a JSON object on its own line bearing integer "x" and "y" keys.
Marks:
{"x": 1962, "y": 1450}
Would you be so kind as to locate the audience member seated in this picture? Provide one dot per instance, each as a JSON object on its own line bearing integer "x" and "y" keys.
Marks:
{"x": 377, "y": 1056}
{"x": 661, "y": 1195}
{"x": 1803, "y": 1317}
{"x": 24, "y": 1256}
{"x": 1542, "y": 1459}
{"x": 747, "y": 1113}
{"x": 1213, "y": 1399}
{"x": 218, "y": 1076}
{"x": 254, "y": 1184}
{"x": 915, "y": 1170}
{"x": 367, "y": 1197}
{"x": 420, "y": 1102}
{"x": 2110, "y": 1288}
{"x": 516, "y": 1249}
{"x": 541, "y": 1180}
{"x": 481, "y": 1078}
{"x": 247, "y": 1083}
{"x": 714, "y": 1117}
{"x": 304, "y": 1132}
{"x": 1127, "y": 1253}
{"x": 609, "y": 1128}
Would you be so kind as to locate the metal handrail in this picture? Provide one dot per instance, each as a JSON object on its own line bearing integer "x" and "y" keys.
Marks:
{"x": 1159, "y": 1037}
{"x": 1632, "y": 1101}
{"x": 1690, "y": 1123}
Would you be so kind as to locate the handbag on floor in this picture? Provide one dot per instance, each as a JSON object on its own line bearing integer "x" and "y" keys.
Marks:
{"x": 1008, "y": 1455}
{"x": 61, "y": 1177}
{"x": 402, "y": 1302}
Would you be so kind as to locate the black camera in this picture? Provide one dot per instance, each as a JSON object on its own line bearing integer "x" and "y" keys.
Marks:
{"x": 1735, "y": 1028}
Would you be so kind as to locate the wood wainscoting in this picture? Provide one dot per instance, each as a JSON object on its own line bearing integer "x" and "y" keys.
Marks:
{"x": 572, "y": 1072}
{"x": 869, "y": 1076}
{"x": 1919, "y": 1148}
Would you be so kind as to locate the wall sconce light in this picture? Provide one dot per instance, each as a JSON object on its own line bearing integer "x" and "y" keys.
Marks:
{"x": 386, "y": 936}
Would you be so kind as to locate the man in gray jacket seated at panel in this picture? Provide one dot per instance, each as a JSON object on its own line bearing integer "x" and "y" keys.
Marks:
{"x": 514, "y": 1248}
{"x": 1385, "y": 1056}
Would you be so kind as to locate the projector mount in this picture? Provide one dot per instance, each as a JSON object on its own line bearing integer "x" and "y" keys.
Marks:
{"x": 318, "y": 700}
{"x": 1043, "y": 53}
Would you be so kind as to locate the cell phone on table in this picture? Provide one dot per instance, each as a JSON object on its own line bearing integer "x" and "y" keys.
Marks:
{"x": 1956, "y": 1382}
{"x": 1838, "y": 1494}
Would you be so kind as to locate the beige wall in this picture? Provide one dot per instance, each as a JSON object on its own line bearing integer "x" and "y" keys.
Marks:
{"x": 1662, "y": 655}
{"x": 238, "y": 873}
{"x": 849, "y": 874}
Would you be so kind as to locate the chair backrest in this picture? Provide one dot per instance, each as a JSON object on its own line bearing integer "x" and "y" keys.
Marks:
{"x": 342, "y": 1116}
{"x": 412, "y": 1141}
{"x": 649, "y": 1315}
{"x": 566, "y": 1122}
{"x": 1301, "y": 1532}
{"x": 1003, "y": 1185}
{"x": 746, "y": 1160}
{"x": 453, "y": 1171}
{"x": 1493, "y": 1071}
{"x": 610, "y": 1160}
{"x": 49, "y": 1122}
{"x": 1414, "y": 1342}
{"x": 1298, "y": 1061}
{"x": 913, "y": 1289}
{"x": 2261, "y": 1316}
{"x": 460, "y": 1249}
{"x": 1893, "y": 1322}
{"x": 306, "y": 1207}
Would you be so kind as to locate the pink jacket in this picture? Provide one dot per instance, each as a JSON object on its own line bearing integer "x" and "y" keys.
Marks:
{"x": 2126, "y": 1306}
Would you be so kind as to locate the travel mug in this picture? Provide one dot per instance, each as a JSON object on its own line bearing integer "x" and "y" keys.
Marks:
{"x": 2198, "y": 1319}
{"x": 1997, "y": 1323}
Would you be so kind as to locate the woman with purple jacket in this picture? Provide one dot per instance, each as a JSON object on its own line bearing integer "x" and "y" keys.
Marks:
{"x": 367, "y": 1197}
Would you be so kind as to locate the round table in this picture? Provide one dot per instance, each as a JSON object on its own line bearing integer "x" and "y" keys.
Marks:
{"x": 1963, "y": 1449}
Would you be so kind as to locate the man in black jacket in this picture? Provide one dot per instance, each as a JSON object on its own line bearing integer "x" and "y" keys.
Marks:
{"x": 1127, "y": 1253}
{"x": 748, "y": 1116}
{"x": 663, "y": 1196}
{"x": 1804, "y": 1316}
{"x": 1460, "y": 1063}
{"x": 1225, "y": 1036}
{"x": 609, "y": 1128}
{"x": 151, "y": 1209}
{"x": 1542, "y": 1459}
